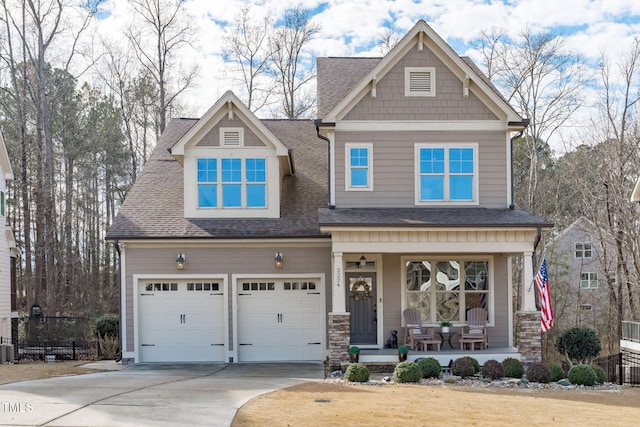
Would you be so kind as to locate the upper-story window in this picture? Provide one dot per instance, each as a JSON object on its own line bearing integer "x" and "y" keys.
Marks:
{"x": 2, "y": 203}
{"x": 232, "y": 182}
{"x": 358, "y": 167}
{"x": 420, "y": 81}
{"x": 588, "y": 280}
{"x": 583, "y": 250}
{"x": 446, "y": 174}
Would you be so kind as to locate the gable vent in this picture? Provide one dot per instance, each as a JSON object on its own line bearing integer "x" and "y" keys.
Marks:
{"x": 231, "y": 138}
{"x": 420, "y": 81}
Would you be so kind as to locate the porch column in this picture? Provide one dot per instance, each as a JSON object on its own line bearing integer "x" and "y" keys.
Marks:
{"x": 528, "y": 288}
{"x": 338, "y": 293}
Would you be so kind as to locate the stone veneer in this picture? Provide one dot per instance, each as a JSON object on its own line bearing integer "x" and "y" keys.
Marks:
{"x": 529, "y": 338}
{"x": 339, "y": 337}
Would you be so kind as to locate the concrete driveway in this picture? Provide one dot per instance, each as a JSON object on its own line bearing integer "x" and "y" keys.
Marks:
{"x": 148, "y": 395}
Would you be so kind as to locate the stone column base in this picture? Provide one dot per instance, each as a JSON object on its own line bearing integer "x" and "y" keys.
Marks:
{"x": 529, "y": 337}
{"x": 339, "y": 338}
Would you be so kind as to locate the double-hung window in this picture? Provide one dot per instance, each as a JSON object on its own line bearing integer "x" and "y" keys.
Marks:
{"x": 588, "y": 280}
{"x": 358, "y": 167}
{"x": 232, "y": 182}
{"x": 446, "y": 174}
{"x": 583, "y": 250}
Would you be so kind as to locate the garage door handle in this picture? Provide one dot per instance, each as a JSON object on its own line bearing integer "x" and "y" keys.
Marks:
{"x": 148, "y": 345}
{"x": 220, "y": 293}
{"x": 217, "y": 344}
{"x": 245, "y": 344}
{"x": 313, "y": 293}
{"x": 314, "y": 343}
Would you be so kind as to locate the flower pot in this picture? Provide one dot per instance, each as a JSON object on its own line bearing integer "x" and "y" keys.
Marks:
{"x": 402, "y": 357}
{"x": 353, "y": 358}
{"x": 445, "y": 329}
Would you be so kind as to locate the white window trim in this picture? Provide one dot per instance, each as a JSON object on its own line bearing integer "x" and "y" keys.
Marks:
{"x": 347, "y": 166}
{"x": 407, "y": 81}
{"x": 590, "y": 281}
{"x": 582, "y": 250}
{"x": 429, "y": 322}
{"x": 225, "y": 130}
{"x": 446, "y": 146}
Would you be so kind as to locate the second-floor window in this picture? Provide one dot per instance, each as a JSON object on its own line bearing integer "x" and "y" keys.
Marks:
{"x": 588, "y": 280}
{"x": 232, "y": 183}
{"x": 358, "y": 167}
{"x": 583, "y": 250}
{"x": 446, "y": 174}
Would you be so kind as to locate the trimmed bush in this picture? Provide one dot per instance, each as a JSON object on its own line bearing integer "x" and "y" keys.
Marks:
{"x": 407, "y": 372}
{"x": 556, "y": 371}
{"x": 579, "y": 344}
{"x": 430, "y": 367}
{"x": 107, "y": 325}
{"x": 357, "y": 372}
{"x": 538, "y": 372}
{"x": 582, "y": 375}
{"x": 492, "y": 369}
{"x": 474, "y": 362}
{"x": 463, "y": 367}
{"x": 512, "y": 368}
{"x": 601, "y": 375}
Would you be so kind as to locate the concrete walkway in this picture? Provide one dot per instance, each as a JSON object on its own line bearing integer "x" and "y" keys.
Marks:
{"x": 148, "y": 395}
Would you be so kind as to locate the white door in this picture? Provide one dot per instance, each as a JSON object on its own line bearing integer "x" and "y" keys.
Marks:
{"x": 280, "y": 320}
{"x": 181, "y": 321}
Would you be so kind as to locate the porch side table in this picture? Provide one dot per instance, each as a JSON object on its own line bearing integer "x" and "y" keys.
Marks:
{"x": 447, "y": 336}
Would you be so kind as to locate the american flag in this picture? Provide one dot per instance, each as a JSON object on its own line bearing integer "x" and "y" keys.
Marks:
{"x": 542, "y": 284}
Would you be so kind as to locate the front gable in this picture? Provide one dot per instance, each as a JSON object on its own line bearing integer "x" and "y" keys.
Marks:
{"x": 232, "y": 164}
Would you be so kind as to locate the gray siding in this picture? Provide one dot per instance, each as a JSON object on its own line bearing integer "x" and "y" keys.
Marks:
{"x": 212, "y": 138}
{"x": 225, "y": 261}
{"x": 449, "y": 103}
{"x": 394, "y": 167}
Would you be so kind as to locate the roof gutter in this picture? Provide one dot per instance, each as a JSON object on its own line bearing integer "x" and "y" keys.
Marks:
{"x": 524, "y": 123}
{"x": 318, "y": 122}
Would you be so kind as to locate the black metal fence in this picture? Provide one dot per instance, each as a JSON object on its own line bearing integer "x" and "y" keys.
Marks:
{"x": 612, "y": 367}
{"x": 53, "y": 350}
{"x": 630, "y": 362}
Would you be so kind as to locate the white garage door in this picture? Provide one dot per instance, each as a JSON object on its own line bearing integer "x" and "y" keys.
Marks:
{"x": 280, "y": 320}
{"x": 181, "y": 321}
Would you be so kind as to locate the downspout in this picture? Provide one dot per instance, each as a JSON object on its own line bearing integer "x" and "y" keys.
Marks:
{"x": 116, "y": 244}
{"x": 328, "y": 163}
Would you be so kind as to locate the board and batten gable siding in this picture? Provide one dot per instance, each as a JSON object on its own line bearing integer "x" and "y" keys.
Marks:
{"x": 222, "y": 260}
{"x": 391, "y": 103}
{"x": 393, "y": 294}
{"x": 393, "y": 165}
{"x": 212, "y": 138}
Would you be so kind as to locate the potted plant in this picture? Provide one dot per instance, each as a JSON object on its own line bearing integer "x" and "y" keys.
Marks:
{"x": 445, "y": 325}
{"x": 354, "y": 354}
{"x": 403, "y": 350}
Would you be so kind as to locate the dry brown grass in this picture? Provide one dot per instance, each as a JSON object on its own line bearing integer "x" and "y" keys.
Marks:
{"x": 28, "y": 370}
{"x": 321, "y": 404}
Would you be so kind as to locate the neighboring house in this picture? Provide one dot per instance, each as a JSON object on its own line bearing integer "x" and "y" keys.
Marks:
{"x": 249, "y": 240}
{"x": 8, "y": 255}
{"x": 579, "y": 270}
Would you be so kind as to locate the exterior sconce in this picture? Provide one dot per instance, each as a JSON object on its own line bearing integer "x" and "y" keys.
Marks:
{"x": 180, "y": 261}
{"x": 363, "y": 262}
{"x": 279, "y": 259}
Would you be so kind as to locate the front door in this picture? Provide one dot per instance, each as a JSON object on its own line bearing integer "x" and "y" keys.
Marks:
{"x": 361, "y": 303}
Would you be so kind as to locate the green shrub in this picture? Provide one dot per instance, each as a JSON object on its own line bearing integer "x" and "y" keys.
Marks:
{"x": 492, "y": 369}
{"x": 601, "y": 375}
{"x": 107, "y": 325}
{"x": 556, "y": 371}
{"x": 474, "y": 362}
{"x": 512, "y": 368}
{"x": 430, "y": 367}
{"x": 579, "y": 344}
{"x": 403, "y": 349}
{"x": 463, "y": 367}
{"x": 357, "y": 372}
{"x": 407, "y": 372}
{"x": 354, "y": 349}
{"x": 582, "y": 375}
{"x": 538, "y": 372}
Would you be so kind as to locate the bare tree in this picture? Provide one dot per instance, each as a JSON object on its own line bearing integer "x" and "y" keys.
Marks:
{"x": 292, "y": 69}
{"x": 159, "y": 31}
{"x": 387, "y": 40}
{"x": 249, "y": 49}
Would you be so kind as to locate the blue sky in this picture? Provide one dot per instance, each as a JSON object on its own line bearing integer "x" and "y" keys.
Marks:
{"x": 353, "y": 27}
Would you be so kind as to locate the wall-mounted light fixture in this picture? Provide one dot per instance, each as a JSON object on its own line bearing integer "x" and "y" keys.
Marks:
{"x": 181, "y": 261}
{"x": 279, "y": 259}
{"x": 363, "y": 262}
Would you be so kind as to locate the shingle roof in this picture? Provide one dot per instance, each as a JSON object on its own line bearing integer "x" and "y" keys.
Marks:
{"x": 153, "y": 208}
{"x": 431, "y": 217}
{"x": 336, "y": 77}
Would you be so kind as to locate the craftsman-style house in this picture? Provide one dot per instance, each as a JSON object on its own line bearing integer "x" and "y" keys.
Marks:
{"x": 8, "y": 256}
{"x": 285, "y": 240}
